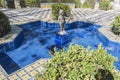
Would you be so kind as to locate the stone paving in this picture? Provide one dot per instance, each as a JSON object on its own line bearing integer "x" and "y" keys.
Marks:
{"x": 3, "y": 73}
{"x": 19, "y": 16}
{"x": 25, "y": 15}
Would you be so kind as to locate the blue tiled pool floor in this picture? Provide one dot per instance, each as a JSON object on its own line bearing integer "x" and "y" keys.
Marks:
{"x": 38, "y": 42}
{"x": 29, "y": 52}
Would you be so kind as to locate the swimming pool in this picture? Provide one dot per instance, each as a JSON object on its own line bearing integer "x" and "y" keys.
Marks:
{"x": 39, "y": 40}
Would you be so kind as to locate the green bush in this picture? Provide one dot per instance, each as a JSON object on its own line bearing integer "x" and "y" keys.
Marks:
{"x": 61, "y": 1}
{"x": 89, "y": 4}
{"x": 2, "y": 3}
{"x": 77, "y": 3}
{"x": 32, "y": 3}
{"x": 116, "y": 25}
{"x": 79, "y": 63}
{"x": 105, "y": 5}
{"x": 85, "y": 5}
{"x": 4, "y": 25}
{"x": 57, "y": 6}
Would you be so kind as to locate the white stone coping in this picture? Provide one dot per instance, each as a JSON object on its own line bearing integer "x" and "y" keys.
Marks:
{"x": 3, "y": 71}
{"x": 107, "y": 32}
{"x": 15, "y": 30}
{"x": 30, "y": 65}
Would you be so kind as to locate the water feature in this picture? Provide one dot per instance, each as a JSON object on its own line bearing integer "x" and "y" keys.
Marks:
{"x": 39, "y": 40}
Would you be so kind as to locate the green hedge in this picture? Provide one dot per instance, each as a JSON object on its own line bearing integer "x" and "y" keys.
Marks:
{"x": 89, "y": 4}
{"x": 105, "y": 5}
{"x": 4, "y": 25}
{"x": 32, "y": 3}
{"x": 56, "y": 8}
{"x": 56, "y": 1}
{"x": 116, "y": 25}
{"x": 79, "y": 63}
{"x": 78, "y": 4}
{"x": 2, "y": 3}
{"x": 85, "y": 5}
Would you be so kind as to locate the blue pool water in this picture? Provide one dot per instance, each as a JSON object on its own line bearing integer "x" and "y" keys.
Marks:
{"x": 39, "y": 41}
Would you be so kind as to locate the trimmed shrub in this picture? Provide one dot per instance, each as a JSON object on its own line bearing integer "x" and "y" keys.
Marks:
{"x": 77, "y": 3}
{"x": 89, "y": 4}
{"x": 32, "y": 3}
{"x": 85, "y": 5}
{"x": 2, "y": 3}
{"x": 79, "y": 63}
{"x": 61, "y": 1}
{"x": 56, "y": 8}
{"x": 105, "y": 5}
{"x": 116, "y": 25}
{"x": 4, "y": 25}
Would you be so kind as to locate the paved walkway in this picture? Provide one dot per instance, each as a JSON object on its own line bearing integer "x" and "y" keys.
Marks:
{"x": 19, "y": 16}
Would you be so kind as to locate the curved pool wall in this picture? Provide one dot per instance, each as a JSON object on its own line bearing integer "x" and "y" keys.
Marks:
{"x": 9, "y": 46}
{"x": 41, "y": 27}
